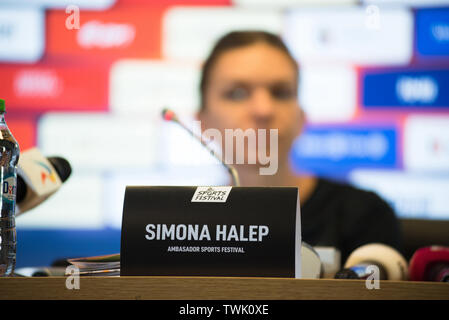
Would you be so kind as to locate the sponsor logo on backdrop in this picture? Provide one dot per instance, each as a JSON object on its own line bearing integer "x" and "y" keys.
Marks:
{"x": 37, "y": 83}
{"x": 405, "y": 88}
{"x": 95, "y": 34}
{"x": 125, "y": 32}
{"x": 351, "y": 35}
{"x": 56, "y": 86}
{"x": 432, "y": 33}
{"x": 413, "y": 90}
{"x": 331, "y": 150}
{"x": 441, "y": 32}
{"x": 337, "y": 146}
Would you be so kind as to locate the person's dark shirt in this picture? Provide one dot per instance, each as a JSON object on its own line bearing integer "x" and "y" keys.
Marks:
{"x": 342, "y": 216}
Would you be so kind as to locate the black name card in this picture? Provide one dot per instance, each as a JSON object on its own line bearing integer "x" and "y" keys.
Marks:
{"x": 211, "y": 231}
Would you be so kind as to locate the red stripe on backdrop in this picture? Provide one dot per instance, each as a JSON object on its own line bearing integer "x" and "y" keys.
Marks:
{"x": 55, "y": 87}
{"x": 131, "y": 32}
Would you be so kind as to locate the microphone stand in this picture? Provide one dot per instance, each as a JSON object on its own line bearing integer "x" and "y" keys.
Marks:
{"x": 171, "y": 116}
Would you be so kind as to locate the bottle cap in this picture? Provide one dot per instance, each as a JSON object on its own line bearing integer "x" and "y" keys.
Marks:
{"x": 2, "y": 105}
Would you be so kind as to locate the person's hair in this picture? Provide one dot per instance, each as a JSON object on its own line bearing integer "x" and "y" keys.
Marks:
{"x": 235, "y": 40}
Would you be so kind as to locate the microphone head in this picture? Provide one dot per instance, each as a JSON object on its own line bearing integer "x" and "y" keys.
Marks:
{"x": 168, "y": 115}
{"x": 346, "y": 274}
{"x": 62, "y": 167}
{"x": 425, "y": 257}
{"x": 382, "y": 255}
{"x": 21, "y": 189}
{"x": 311, "y": 266}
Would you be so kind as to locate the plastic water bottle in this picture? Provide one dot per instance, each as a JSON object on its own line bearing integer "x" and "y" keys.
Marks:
{"x": 9, "y": 157}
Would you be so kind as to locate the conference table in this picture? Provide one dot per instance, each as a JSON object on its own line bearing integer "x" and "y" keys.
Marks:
{"x": 215, "y": 288}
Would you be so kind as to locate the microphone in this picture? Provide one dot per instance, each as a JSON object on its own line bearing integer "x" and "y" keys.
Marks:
{"x": 331, "y": 260}
{"x": 311, "y": 265}
{"x": 391, "y": 264}
{"x": 169, "y": 115}
{"x": 38, "y": 178}
{"x": 430, "y": 264}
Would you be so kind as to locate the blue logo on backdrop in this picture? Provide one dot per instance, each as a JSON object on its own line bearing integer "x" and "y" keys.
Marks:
{"x": 335, "y": 151}
{"x": 432, "y": 32}
{"x": 404, "y": 89}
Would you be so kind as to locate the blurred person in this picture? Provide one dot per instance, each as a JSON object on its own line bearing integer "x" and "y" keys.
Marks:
{"x": 250, "y": 80}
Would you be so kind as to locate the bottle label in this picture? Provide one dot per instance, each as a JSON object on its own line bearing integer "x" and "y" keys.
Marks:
{"x": 9, "y": 188}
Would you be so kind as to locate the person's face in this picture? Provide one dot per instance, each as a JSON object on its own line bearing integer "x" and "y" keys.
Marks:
{"x": 254, "y": 87}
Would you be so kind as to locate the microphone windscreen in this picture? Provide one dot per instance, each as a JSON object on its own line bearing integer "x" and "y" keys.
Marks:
{"x": 61, "y": 166}
{"x": 311, "y": 266}
{"x": 168, "y": 115}
{"x": 346, "y": 274}
{"x": 425, "y": 258}
{"x": 21, "y": 190}
{"x": 382, "y": 255}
